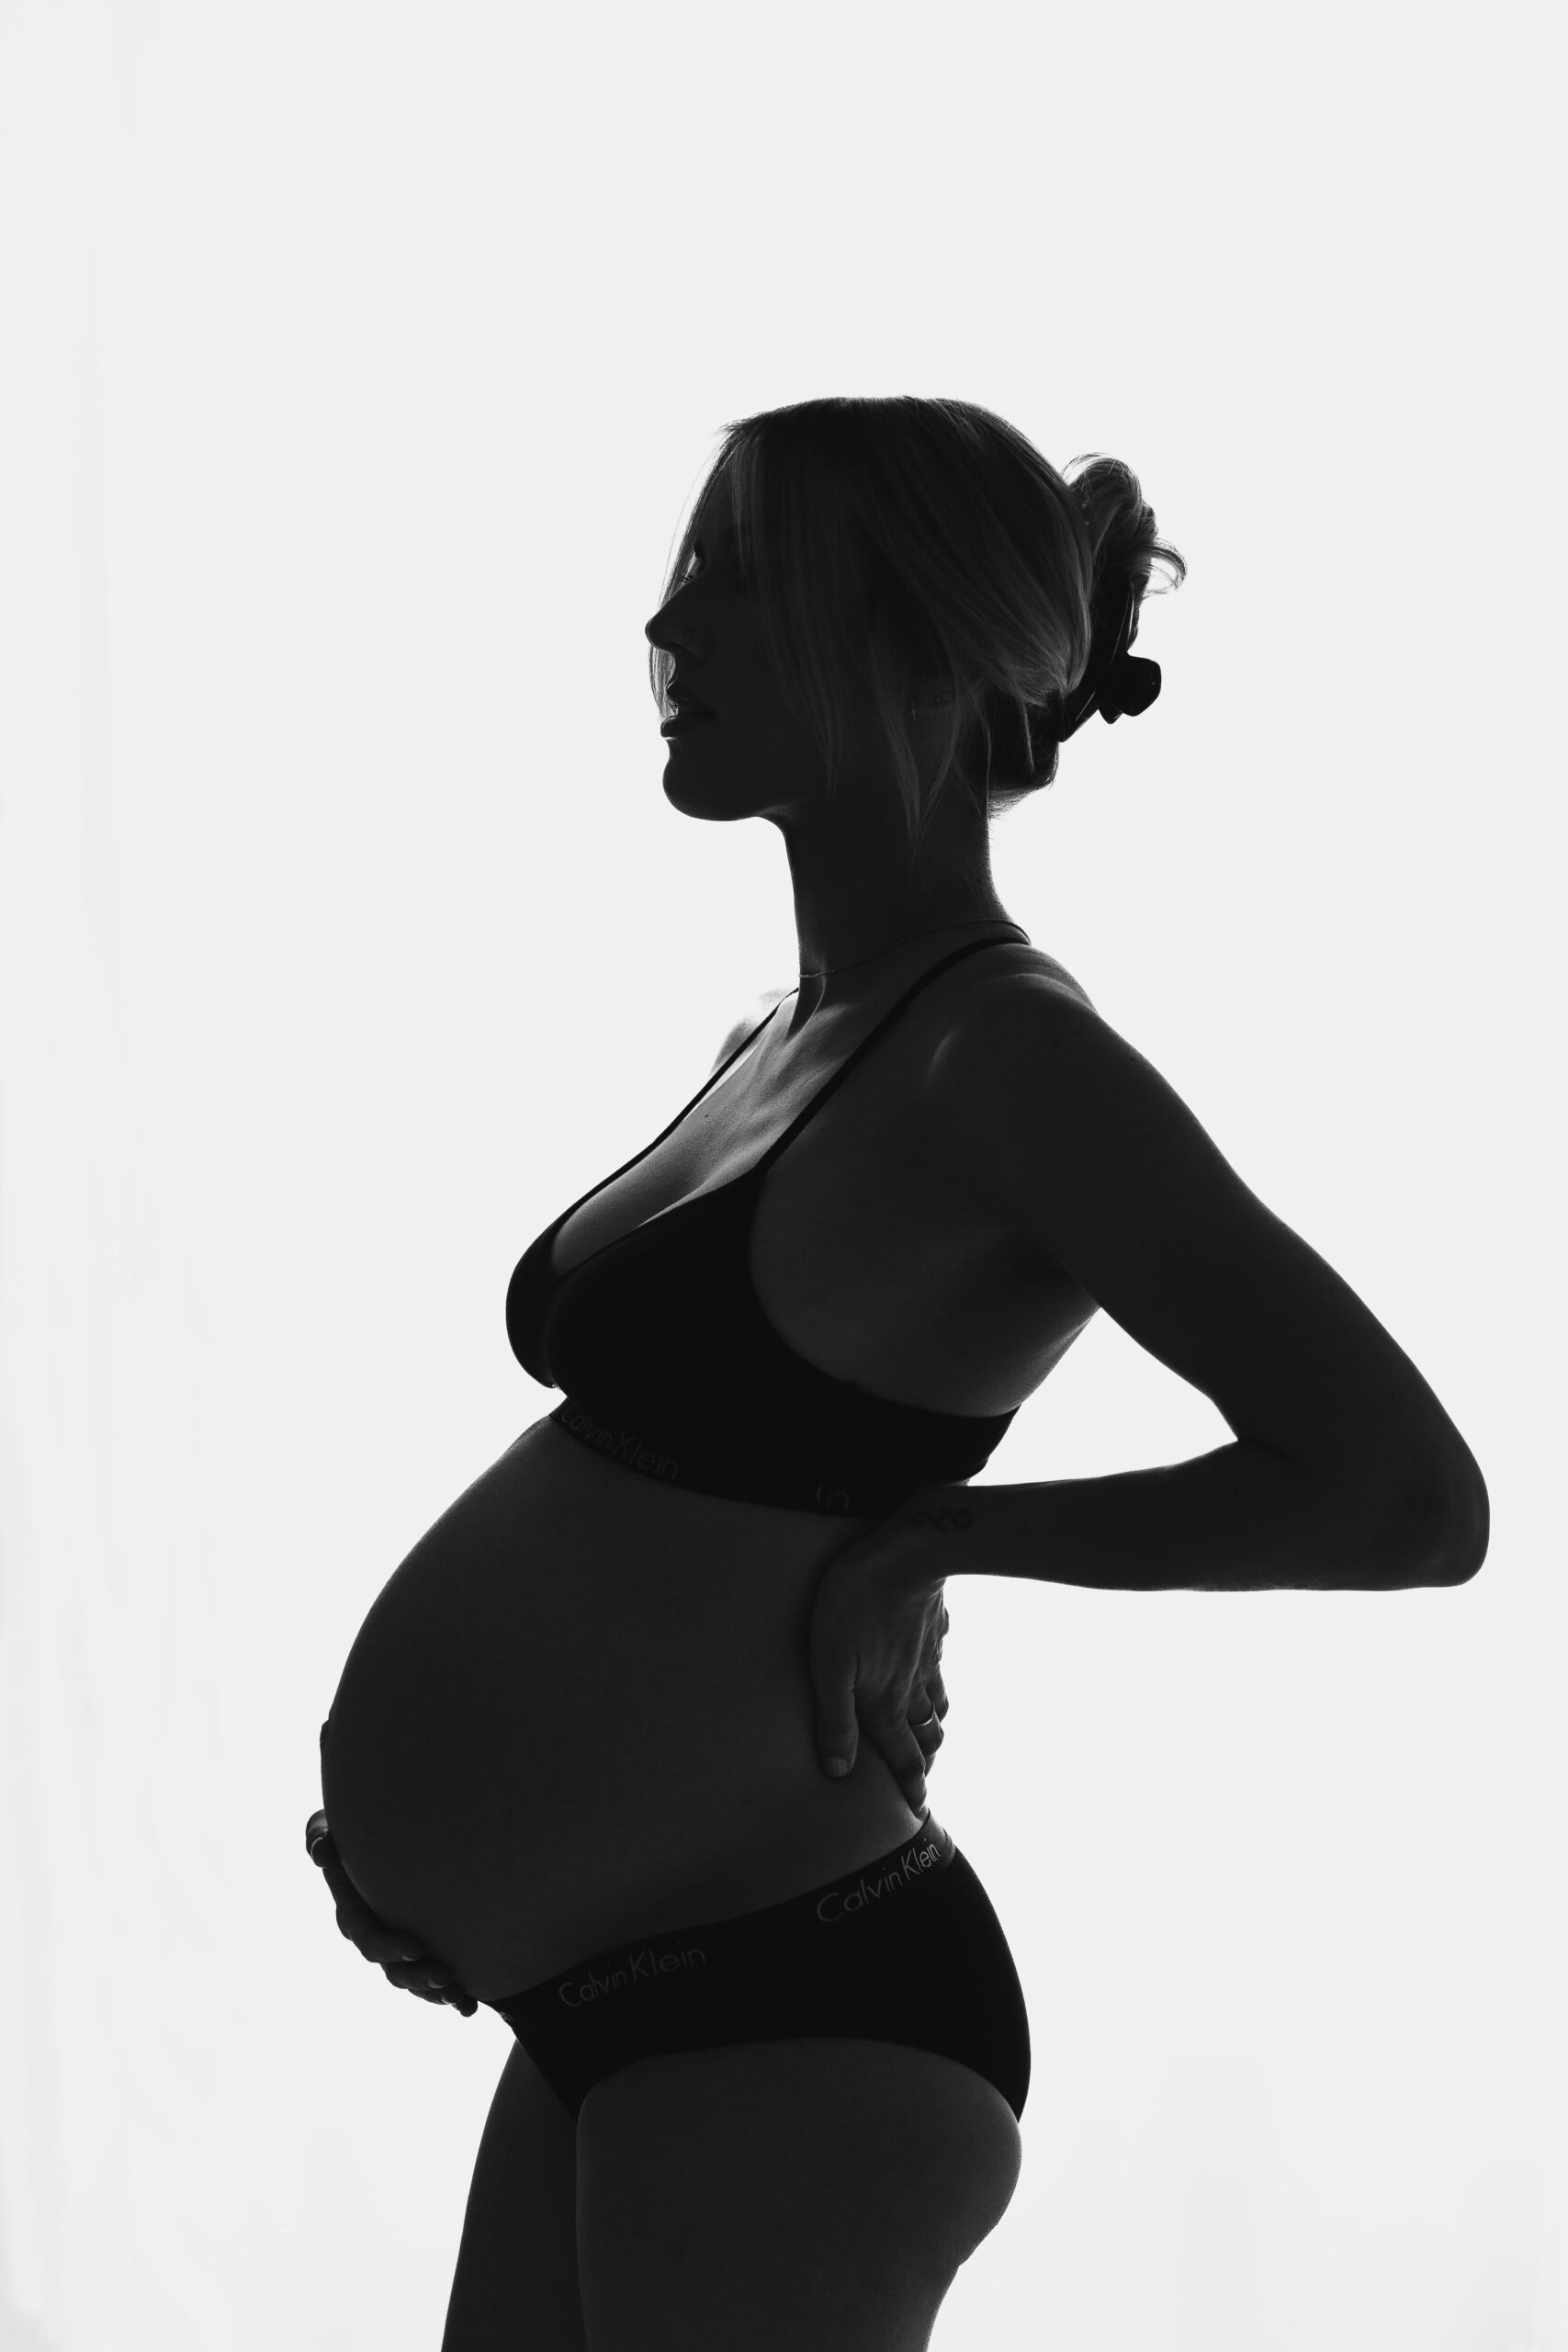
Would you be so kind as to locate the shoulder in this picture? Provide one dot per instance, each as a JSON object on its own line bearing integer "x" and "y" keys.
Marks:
{"x": 1064, "y": 1114}
{"x": 754, "y": 1016}
{"x": 991, "y": 1008}
{"x": 1014, "y": 965}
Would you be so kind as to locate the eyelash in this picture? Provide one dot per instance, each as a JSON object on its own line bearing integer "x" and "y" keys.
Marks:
{"x": 740, "y": 578}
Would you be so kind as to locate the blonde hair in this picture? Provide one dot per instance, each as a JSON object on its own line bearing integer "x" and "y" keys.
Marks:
{"x": 921, "y": 557}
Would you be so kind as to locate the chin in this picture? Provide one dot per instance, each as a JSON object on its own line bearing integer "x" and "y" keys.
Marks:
{"x": 691, "y": 804}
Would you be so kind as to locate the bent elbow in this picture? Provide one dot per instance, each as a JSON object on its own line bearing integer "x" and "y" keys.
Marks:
{"x": 1477, "y": 1537}
{"x": 1458, "y": 1538}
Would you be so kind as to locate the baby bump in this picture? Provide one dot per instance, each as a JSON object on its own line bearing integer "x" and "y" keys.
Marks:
{"x": 484, "y": 1734}
{"x": 557, "y": 1720}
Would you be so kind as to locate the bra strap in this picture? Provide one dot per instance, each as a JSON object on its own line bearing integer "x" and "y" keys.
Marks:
{"x": 971, "y": 947}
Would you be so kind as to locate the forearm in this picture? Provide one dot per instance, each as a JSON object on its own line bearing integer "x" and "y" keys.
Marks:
{"x": 1243, "y": 1518}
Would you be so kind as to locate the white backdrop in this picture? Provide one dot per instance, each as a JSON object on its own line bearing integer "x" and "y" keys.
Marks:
{"x": 359, "y": 364}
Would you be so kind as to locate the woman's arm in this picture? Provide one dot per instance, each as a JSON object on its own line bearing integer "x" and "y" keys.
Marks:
{"x": 1240, "y": 1519}
{"x": 1346, "y": 1470}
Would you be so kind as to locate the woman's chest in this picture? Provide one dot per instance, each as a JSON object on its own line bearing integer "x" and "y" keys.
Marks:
{"x": 869, "y": 1246}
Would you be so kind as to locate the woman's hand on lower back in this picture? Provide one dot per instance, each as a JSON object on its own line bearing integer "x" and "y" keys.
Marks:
{"x": 397, "y": 1950}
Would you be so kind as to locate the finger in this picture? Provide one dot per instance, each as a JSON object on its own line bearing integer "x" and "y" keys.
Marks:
{"x": 328, "y": 1861}
{"x": 379, "y": 1939}
{"x": 838, "y": 1728}
{"x": 936, "y": 1689}
{"x": 464, "y": 2003}
{"x": 929, "y": 1737}
{"x": 906, "y": 1758}
{"x": 389, "y": 1946}
{"x": 425, "y": 1974}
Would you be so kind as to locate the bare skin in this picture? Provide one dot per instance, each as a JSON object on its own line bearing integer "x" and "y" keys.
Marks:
{"x": 579, "y": 1709}
{"x": 856, "y": 894}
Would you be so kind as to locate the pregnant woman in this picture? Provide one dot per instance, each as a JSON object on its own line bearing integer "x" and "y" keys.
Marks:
{"x": 771, "y": 2049}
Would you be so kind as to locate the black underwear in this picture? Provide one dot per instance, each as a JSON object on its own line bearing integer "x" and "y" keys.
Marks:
{"x": 905, "y": 1949}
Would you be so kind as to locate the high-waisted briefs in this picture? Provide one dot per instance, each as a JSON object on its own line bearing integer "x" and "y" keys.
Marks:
{"x": 905, "y": 1949}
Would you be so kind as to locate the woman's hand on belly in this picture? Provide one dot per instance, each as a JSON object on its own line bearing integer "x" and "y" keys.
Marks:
{"x": 394, "y": 1950}
{"x": 877, "y": 1624}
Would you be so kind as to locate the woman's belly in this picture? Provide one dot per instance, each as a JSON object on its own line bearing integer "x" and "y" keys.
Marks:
{"x": 581, "y": 1710}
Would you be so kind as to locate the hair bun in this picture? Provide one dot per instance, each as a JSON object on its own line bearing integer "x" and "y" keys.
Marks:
{"x": 1128, "y": 688}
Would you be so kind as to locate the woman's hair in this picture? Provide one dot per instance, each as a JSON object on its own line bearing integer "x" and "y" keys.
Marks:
{"x": 923, "y": 553}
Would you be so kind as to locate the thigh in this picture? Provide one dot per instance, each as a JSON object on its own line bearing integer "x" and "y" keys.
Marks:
{"x": 516, "y": 2283}
{"x": 766, "y": 2196}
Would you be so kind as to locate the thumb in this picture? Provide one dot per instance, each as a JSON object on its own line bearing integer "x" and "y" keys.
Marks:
{"x": 837, "y": 1732}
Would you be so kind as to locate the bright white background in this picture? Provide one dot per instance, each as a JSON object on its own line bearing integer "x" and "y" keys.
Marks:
{"x": 359, "y": 364}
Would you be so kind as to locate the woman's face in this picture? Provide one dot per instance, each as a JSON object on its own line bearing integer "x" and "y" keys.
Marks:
{"x": 855, "y": 885}
{"x": 755, "y": 756}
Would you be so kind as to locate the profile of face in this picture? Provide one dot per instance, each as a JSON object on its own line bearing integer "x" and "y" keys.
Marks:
{"x": 755, "y": 756}
{"x": 857, "y": 888}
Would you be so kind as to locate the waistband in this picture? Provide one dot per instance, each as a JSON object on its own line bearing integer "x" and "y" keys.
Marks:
{"x": 871, "y": 1889}
{"x": 727, "y": 1471}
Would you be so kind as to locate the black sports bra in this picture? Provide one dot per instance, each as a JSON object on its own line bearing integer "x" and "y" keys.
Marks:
{"x": 671, "y": 1367}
